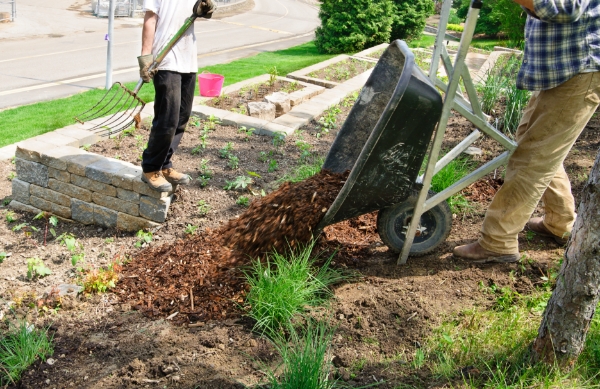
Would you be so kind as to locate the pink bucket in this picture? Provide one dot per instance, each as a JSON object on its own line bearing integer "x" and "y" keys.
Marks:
{"x": 210, "y": 84}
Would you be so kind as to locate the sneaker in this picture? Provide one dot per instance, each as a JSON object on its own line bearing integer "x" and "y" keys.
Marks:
{"x": 475, "y": 253}
{"x": 174, "y": 177}
{"x": 536, "y": 224}
{"x": 156, "y": 181}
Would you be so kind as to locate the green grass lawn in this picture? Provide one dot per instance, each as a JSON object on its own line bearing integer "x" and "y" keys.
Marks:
{"x": 28, "y": 121}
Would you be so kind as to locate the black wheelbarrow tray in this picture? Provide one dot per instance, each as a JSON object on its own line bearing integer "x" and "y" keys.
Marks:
{"x": 383, "y": 143}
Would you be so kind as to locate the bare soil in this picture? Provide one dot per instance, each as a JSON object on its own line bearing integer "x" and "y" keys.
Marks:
{"x": 125, "y": 340}
{"x": 343, "y": 70}
{"x": 236, "y": 101}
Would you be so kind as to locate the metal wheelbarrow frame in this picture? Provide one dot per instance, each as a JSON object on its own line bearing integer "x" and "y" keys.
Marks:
{"x": 412, "y": 220}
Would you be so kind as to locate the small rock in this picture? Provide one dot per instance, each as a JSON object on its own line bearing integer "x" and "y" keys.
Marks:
{"x": 48, "y": 382}
{"x": 471, "y": 150}
{"x": 50, "y": 361}
{"x": 175, "y": 378}
{"x": 221, "y": 346}
{"x": 252, "y": 343}
{"x": 341, "y": 316}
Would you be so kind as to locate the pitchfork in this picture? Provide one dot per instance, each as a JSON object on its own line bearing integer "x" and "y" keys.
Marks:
{"x": 121, "y": 107}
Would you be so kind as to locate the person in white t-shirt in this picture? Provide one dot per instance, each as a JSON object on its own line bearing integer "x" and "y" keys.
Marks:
{"x": 174, "y": 85}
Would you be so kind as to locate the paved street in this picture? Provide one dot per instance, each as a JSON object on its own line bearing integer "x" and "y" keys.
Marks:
{"x": 57, "y": 50}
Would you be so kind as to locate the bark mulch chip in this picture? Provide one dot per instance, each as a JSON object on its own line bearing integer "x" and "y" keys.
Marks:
{"x": 206, "y": 268}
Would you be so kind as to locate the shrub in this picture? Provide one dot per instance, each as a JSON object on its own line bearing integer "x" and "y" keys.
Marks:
{"x": 497, "y": 16}
{"x": 486, "y": 24}
{"x": 409, "y": 18}
{"x": 348, "y": 26}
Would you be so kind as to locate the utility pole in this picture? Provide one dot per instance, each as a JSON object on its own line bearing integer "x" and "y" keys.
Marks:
{"x": 111, "y": 20}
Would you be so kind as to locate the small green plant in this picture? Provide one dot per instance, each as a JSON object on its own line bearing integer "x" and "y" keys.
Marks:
{"x": 419, "y": 359}
{"x": 279, "y": 139}
{"x": 304, "y": 148}
{"x": 273, "y": 166}
{"x": 281, "y": 286}
{"x": 109, "y": 240}
{"x": 36, "y": 268}
{"x": 6, "y": 202}
{"x": 243, "y": 201}
{"x": 129, "y": 131}
{"x": 328, "y": 120}
{"x": 263, "y": 156}
{"x": 143, "y": 238}
{"x": 306, "y": 361}
{"x": 73, "y": 246}
{"x": 203, "y": 207}
{"x": 212, "y": 122}
{"x": 20, "y": 347}
{"x": 190, "y": 229}
{"x": 50, "y": 220}
{"x": 290, "y": 87}
{"x": 11, "y": 176}
{"x": 304, "y": 171}
{"x": 100, "y": 280}
{"x": 86, "y": 147}
{"x": 233, "y": 162}
{"x": 205, "y": 173}
{"x": 242, "y": 182}
{"x": 3, "y": 256}
{"x": 26, "y": 228}
{"x": 225, "y": 152}
{"x": 273, "y": 75}
{"x": 10, "y": 216}
{"x": 247, "y": 131}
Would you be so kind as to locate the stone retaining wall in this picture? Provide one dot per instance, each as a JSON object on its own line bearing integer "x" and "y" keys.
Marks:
{"x": 89, "y": 188}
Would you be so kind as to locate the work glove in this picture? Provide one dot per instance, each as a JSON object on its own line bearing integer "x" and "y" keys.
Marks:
{"x": 145, "y": 61}
{"x": 204, "y": 8}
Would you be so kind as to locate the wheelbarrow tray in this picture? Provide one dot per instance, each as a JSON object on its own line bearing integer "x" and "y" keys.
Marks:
{"x": 385, "y": 137}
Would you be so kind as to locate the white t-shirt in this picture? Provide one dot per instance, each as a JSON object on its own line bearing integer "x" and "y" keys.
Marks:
{"x": 183, "y": 57}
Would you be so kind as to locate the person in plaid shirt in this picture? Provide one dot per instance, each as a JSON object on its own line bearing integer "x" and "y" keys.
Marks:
{"x": 560, "y": 65}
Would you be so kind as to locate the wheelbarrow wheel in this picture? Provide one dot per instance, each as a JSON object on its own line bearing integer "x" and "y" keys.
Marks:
{"x": 434, "y": 228}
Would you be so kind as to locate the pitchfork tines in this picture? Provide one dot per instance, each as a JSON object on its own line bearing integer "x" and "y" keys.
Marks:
{"x": 118, "y": 109}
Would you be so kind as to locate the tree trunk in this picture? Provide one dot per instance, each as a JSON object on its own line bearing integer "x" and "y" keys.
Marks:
{"x": 567, "y": 317}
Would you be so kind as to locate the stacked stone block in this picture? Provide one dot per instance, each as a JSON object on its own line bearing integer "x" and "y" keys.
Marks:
{"x": 85, "y": 187}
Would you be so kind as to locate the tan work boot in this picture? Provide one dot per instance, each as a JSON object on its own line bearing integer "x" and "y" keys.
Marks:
{"x": 174, "y": 177}
{"x": 156, "y": 181}
{"x": 536, "y": 224}
{"x": 475, "y": 253}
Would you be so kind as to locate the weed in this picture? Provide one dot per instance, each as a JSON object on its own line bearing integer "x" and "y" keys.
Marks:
{"x": 144, "y": 238}
{"x": 26, "y": 228}
{"x": 11, "y": 176}
{"x": 273, "y": 166}
{"x": 516, "y": 100}
{"x": 419, "y": 359}
{"x": 6, "y": 202}
{"x": 203, "y": 207}
{"x": 243, "y": 201}
{"x": 101, "y": 279}
{"x": 233, "y": 162}
{"x": 241, "y": 109}
{"x": 225, "y": 152}
{"x": 3, "y": 256}
{"x": 109, "y": 240}
{"x": 264, "y": 157}
{"x": 451, "y": 173}
{"x": 529, "y": 235}
{"x": 328, "y": 120}
{"x": 20, "y": 347}
{"x": 242, "y": 182}
{"x": 129, "y": 132}
{"x": 282, "y": 286}
{"x": 86, "y": 147}
{"x": 190, "y": 229}
{"x": 36, "y": 268}
{"x": 10, "y": 216}
{"x": 290, "y": 87}
{"x": 203, "y": 181}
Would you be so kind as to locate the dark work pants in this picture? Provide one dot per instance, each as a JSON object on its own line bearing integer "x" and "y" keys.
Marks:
{"x": 172, "y": 110}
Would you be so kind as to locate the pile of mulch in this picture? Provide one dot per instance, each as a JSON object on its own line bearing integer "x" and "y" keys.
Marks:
{"x": 483, "y": 190}
{"x": 201, "y": 278}
{"x": 284, "y": 218}
{"x": 252, "y": 93}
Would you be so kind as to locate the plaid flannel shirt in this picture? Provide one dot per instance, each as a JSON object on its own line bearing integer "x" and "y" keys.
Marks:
{"x": 562, "y": 39}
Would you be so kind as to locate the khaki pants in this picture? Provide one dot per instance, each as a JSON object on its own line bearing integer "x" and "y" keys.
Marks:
{"x": 550, "y": 126}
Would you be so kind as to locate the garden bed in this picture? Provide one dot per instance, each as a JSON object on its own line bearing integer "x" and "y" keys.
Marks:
{"x": 382, "y": 317}
{"x": 333, "y": 72}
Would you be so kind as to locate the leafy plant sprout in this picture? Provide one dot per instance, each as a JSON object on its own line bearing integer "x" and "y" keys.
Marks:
{"x": 273, "y": 75}
{"x": 190, "y": 229}
{"x": 10, "y": 216}
{"x": 144, "y": 238}
{"x": 243, "y": 201}
{"x": 247, "y": 131}
{"x": 225, "y": 152}
{"x": 36, "y": 268}
{"x": 273, "y": 166}
{"x": 212, "y": 122}
{"x": 50, "y": 219}
{"x": 279, "y": 139}
{"x": 233, "y": 162}
{"x": 11, "y": 176}
{"x": 203, "y": 207}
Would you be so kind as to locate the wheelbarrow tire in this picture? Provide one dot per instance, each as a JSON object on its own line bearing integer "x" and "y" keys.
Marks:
{"x": 437, "y": 223}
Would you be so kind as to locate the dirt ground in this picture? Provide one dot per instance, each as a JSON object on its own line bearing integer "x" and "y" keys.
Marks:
{"x": 382, "y": 316}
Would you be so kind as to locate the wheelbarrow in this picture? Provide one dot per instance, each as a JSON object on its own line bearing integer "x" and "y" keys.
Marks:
{"x": 383, "y": 143}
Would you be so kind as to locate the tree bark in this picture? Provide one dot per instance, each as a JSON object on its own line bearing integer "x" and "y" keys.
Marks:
{"x": 570, "y": 310}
